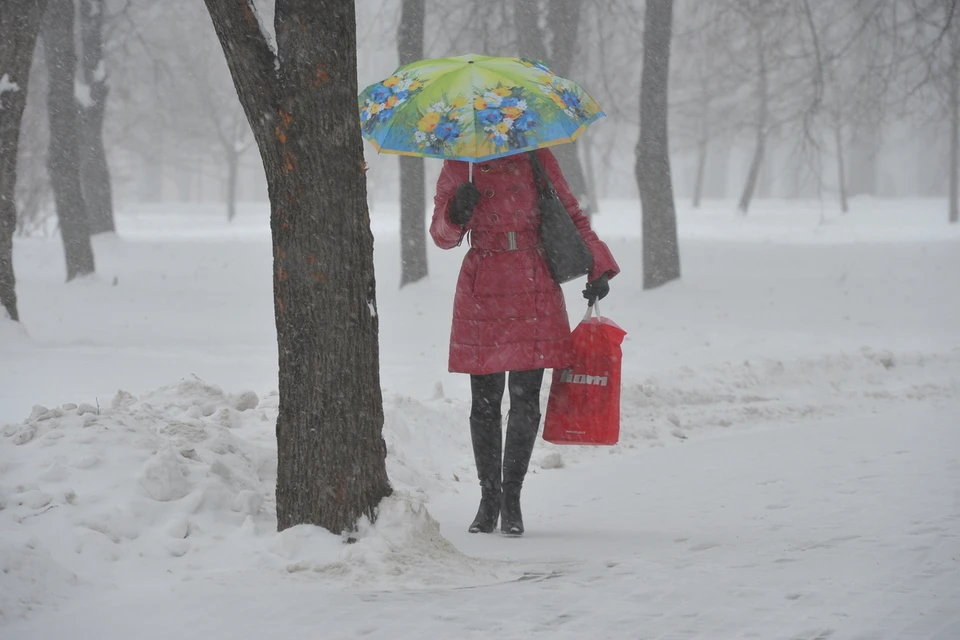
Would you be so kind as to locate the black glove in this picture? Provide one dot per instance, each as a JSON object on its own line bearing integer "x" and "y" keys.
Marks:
{"x": 463, "y": 203}
{"x": 596, "y": 290}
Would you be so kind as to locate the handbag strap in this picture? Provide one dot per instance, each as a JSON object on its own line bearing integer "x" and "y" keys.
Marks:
{"x": 544, "y": 186}
{"x": 591, "y": 309}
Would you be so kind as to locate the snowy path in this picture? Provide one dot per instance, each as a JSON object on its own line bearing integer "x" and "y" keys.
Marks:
{"x": 834, "y": 530}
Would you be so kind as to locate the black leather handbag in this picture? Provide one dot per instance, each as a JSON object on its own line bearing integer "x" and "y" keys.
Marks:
{"x": 566, "y": 253}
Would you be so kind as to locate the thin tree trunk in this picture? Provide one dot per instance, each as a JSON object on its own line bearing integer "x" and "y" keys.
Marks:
{"x": 661, "y": 253}
{"x": 753, "y": 175}
{"x": 19, "y": 24}
{"x": 233, "y": 168}
{"x": 94, "y": 171}
{"x": 703, "y": 148}
{"x": 63, "y": 160}
{"x": 762, "y": 114}
{"x": 531, "y": 45}
{"x": 765, "y": 177}
{"x": 954, "y": 122}
{"x": 841, "y": 167}
{"x": 865, "y": 143}
{"x": 413, "y": 195}
{"x": 330, "y": 449}
{"x": 563, "y": 21}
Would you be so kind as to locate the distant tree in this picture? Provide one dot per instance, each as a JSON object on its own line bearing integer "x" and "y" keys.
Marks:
{"x": 300, "y": 100}
{"x": 661, "y": 252}
{"x": 701, "y": 107}
{"x": 563, "y": 23}
{"x": 413, "y": 197}
{"x": 756, "y": 16}
{"x": 63, "y": 159}
{"x": 19, "y": 25}
{"x": 94, "y": 171}
{"x": 209, "y": 119}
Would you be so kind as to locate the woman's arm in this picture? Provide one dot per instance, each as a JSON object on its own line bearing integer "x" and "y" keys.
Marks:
{"x": 603, "y": 262}
{"x": 444, "y": 232}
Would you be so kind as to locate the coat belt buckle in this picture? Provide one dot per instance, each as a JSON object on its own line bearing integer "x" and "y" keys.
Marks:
{"x": 512, "y": 240}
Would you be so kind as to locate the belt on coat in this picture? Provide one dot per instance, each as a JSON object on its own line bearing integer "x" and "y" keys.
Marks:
{"x": 504, "y": 240}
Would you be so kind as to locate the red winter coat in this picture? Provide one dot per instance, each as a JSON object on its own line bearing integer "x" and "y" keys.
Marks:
{"x": 508, "y": 313}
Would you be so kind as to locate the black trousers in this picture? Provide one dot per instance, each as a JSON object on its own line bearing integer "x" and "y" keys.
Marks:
{"x": 487, "y": 392}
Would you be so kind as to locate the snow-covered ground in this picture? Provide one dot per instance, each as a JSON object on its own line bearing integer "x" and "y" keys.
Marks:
{"x": 789, "y": 465}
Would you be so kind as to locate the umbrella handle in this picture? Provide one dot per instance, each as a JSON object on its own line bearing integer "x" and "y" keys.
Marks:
{"x": 470, "y": 171}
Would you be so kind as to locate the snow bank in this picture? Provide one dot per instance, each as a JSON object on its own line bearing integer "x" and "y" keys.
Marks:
{"x": 189, "y": 471}
{"x": 182, "y": 479}
{"x": 403, "y": 549}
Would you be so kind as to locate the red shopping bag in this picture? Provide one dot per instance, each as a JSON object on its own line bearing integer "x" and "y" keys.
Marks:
{"x": 584, "y": 405}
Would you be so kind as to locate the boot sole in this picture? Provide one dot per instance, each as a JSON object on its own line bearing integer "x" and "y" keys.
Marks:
{"x": 474, "y": 528}
{"x": 482, "y": 529}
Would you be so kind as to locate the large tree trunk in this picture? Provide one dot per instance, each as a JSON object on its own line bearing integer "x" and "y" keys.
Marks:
{"x": 661, "y": 253}
{"x": 756, "y": 164}
{"x": 330, "y": 449}
{"x": 63, "y": 161}
{"x": 94, "y": 172}
{"x": 19, "y": 24}
{"x": 413, "y": 195}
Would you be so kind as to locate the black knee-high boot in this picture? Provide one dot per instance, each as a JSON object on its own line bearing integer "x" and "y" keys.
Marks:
{"x": 486, "y": 434}
{"x": 522, "y": 427}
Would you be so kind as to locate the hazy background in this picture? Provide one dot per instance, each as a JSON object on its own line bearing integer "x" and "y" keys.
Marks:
{"x": 871, "y": 75}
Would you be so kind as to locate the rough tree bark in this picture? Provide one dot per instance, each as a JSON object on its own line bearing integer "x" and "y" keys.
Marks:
{"x": 756, "y": 164}
{"x": 94, "y": 171}
{"x": 330, "y": 449}
{"x": 413, "y": 195}
{"x": 19, "y": 24}
{"x": 63, "y": 161}
{"x": 661, "y": 253}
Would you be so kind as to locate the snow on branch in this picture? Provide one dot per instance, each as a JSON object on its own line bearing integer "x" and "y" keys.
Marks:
{"x": 6, "y": 84}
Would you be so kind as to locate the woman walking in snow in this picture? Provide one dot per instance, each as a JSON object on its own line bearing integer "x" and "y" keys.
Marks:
{"x": 509, "y": 313}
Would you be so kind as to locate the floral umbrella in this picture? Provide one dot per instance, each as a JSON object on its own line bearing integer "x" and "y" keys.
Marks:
{"x": 474, "y": 108}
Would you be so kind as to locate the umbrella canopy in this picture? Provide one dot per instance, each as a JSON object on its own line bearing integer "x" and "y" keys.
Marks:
{"x": 474, "y": 108}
